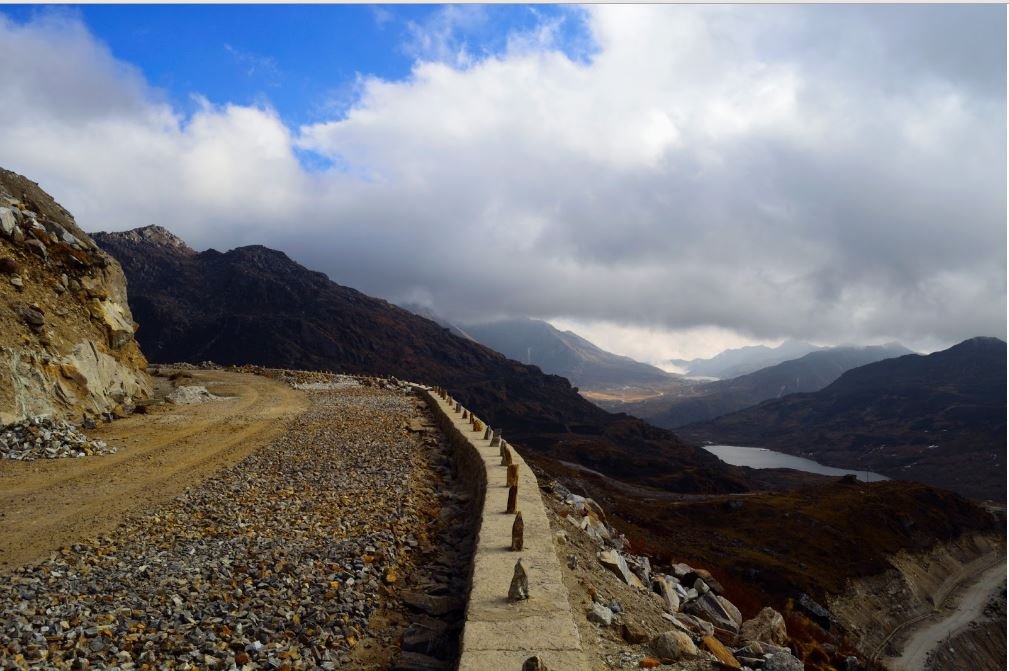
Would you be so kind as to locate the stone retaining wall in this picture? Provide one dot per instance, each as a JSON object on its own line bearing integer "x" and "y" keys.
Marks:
{"x": 499, "y": 634}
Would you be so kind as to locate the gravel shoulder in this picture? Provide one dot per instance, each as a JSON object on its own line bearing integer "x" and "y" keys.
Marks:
{"x": 45, "y": 505}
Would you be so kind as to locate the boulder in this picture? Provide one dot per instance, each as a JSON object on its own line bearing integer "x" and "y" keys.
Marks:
{"x": 721, "y": 653}
{"x": 666, "y": 591}
{"x": 673, "y": 645}
{"x": 815, "y": 611}
{"x": 692, "y": 625}
{"x": 7, "y": 221}
{"x": 613, "y": 560}
{"x": 767, "y": 627}
{"x": 641, "y": 567}
{"x": 782, "y": 661}
{"x": 708, "y": 607}
{"x": 731, "y": 609}
{"x": 600, "y": 614}
{"x": 709, "y": 579}
{"x": 758, "y": 650}
{"x": 634, "y": 633}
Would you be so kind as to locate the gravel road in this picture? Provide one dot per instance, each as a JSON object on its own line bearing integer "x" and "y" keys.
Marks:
{"x": 967, "y": 607}
{"x": 51, "y": 503}
{"x": 316, "y": 550}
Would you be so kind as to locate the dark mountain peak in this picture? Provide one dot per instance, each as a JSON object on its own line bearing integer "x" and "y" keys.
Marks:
{"x": 979, "y": 343}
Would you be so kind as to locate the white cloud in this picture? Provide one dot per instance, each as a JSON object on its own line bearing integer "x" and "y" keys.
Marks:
{"x": 711, "y": 176}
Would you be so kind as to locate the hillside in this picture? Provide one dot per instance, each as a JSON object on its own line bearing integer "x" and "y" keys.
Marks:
{"x": 565, "y": 353}
{"x": 68, "y": 346}
{"x": 812, "y": 372}
{"x": 939, "y": 419}
{"x": 743, "y": 360}
{"x": 256, "y": 305}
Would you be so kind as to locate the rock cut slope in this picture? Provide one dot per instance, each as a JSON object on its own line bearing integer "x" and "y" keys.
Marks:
{"x": 68, "y": 345}
{"x": 255, "y": 305}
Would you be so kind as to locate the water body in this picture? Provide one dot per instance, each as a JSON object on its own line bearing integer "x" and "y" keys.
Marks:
{"x": 760, "y": 457}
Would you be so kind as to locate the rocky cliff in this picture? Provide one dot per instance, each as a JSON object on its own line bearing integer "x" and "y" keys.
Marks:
{"x": 67, "y": 348}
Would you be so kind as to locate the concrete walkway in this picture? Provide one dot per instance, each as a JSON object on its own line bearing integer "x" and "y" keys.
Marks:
{"x": 500, "y": 635}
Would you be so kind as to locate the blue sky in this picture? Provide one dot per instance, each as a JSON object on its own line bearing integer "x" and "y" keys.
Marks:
{"x": 666, "y": 180}
{"x": 302, "y": 60}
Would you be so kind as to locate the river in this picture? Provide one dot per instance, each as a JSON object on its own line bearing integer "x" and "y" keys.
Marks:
{"x": 759, "y": 457}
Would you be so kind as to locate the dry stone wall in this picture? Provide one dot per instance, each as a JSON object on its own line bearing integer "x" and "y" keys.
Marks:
{"x": 509, "y": 617}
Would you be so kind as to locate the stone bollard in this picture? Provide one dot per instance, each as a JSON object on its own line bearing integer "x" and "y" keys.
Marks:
{"x": 506, "y": 456}
{"x": 465, "y": 413}
{"x": 513, "y": 496}
{"x": 458, "y": 406}
{"x": 495, "y": 438}
{"x": 513, "y": 475}
{"x": 518, "y": 530}
{"x": 534, "y": 664}
{"x": 519, "y": 589}
{"x": 488, "y": 432}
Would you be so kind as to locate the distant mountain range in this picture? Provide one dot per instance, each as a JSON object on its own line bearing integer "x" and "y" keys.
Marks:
{"x": 735, "y": 362}
{"x": 564, "y": 353}
{"x": 938, "y": 419}
{"x": 703, "y": 401}
{"x": 255, "y": 305}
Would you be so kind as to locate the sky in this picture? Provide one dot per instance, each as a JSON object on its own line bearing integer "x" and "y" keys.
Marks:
{"x": 665, "y": 180}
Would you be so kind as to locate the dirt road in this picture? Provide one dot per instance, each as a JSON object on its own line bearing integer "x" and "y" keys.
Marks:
{"x": 47, "y": 504}
{"x": 966, "y": 607}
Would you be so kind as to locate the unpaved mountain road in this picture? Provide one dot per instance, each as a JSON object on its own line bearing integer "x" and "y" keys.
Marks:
{"x": 47, "y": 504}
{"x": 963, "y": 609}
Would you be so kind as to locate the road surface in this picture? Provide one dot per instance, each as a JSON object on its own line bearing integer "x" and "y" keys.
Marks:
{"x": 967, "y": 607}
{"x": 51, "y": 503}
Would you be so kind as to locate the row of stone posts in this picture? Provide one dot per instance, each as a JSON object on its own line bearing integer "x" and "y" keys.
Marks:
{"x": 519, "y": 589}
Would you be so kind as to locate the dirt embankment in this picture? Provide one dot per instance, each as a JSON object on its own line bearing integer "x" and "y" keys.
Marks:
{"x": 47, "y": 504}
{"x": 881, "y": 612}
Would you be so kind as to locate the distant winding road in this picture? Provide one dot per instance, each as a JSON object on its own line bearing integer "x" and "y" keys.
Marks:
{"x": 966, "y": 608}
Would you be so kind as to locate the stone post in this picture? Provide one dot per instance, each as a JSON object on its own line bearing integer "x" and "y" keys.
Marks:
{"x": 518, "y": 530}
{"x": 488, "y": 433}
{"x": 495, "y": 438}
{"x": 513, "y": 475}
{"x": 458, "y": 406}
{"x": 513, "y": 496}
{"x": 519, "y": 588}
{"x": 534, "y": 664}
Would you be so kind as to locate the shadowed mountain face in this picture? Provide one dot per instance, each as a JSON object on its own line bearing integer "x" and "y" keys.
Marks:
{"x": 256, "y": 305}
{"x": 743, "y": 360}
{"x": 704, "y": 401}
{"x": 939, "y": 419}
{"x": 564, "y": 353}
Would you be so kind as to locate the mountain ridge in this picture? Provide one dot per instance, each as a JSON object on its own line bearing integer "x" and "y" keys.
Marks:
{"x": 255, "y": 305}
{"x": 706, "y": 400}
{"x": 938, "y": 418}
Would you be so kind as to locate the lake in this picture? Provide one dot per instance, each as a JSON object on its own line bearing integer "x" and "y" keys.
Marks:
{"x": 759, "y": 457}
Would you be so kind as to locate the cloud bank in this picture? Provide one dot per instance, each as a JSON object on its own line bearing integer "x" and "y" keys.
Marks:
{"x": 833, "y": 173}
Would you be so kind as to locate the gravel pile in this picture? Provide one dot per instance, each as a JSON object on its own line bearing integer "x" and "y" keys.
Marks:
{"x": 190, "y": 394}
{"x": 46, "y": 438}
{"x": 299, "y": 557}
